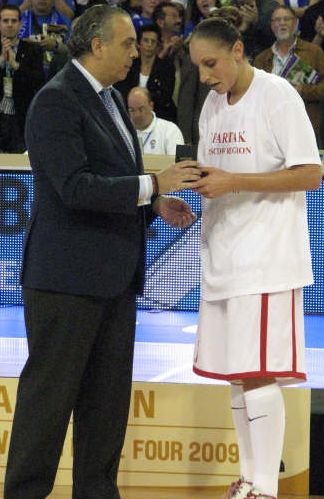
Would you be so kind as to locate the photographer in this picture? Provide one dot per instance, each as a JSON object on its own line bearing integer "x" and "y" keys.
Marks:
{"x": 21, "y": 75}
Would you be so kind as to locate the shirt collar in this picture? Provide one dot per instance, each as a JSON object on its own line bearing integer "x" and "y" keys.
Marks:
{"x": 96, "y": 85}
{"x": 151, "y": 125}
{"x": 291, "y": 49}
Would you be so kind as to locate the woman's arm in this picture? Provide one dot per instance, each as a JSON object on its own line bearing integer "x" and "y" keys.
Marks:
{"x": 217, "y": 182}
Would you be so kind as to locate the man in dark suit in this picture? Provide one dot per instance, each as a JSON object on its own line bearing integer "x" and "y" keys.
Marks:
{"x": 21, "y": 76}
{"x": 83, "y": 264}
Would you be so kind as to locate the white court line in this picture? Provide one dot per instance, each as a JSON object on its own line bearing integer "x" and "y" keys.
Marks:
{"x": 171, "y": 372}
{"x": 190, "y": 329}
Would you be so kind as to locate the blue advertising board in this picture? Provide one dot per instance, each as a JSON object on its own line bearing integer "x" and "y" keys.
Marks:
{"x": 173, "y": 264}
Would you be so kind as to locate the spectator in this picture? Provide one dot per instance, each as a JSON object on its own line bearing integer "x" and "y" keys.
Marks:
{"x": 44, "y": 25}
{"x": 156, "y": 135}
{"x": 132, "y": 6}
{"x": 145, "y": 17}
{"x": 181, "y": 6}
{"x": 21, "y": 74}
{"x": 191, "y": 97}
{"x": 310, "y": 25}
{"x": 300, "y": 8}
{"x": 166, "y": 16}
{"x": 39, "y": 13}
{"x": 256, "y": 35}
{"x": 300, "y": 62}
{"x": 169, "y": 17}
{"x": 62, "y": 55}
{"x": 157, "y": 75}
{"x": 198, "y": 10}
{"x": 265, "y": 8}
{"x": 319, "y": 29}
{"x": 64, "y": 7}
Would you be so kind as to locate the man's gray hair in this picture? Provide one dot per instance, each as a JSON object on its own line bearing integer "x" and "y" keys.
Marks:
{"x": 96, "y": 22}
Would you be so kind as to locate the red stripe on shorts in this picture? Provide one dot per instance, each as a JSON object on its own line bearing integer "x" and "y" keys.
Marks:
{"x": 294, "y": 361}
{"x": 264, "y": 331}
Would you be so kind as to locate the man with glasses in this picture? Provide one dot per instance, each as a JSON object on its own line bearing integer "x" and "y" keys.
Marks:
{"x": 21, "y": 76}
{"x": 167, "y": 18}
{"x": 300, "y": 62}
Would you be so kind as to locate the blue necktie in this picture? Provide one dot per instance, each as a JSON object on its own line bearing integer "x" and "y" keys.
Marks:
{"x": 110, "y": 106}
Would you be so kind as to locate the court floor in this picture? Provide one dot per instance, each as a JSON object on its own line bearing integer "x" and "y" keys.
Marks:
{"x": 162, "y": 493}
{"x": 163, "y": 349}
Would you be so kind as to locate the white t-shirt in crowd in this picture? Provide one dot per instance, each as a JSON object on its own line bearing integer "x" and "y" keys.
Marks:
{"x": 143, "y": 79}
{"x": 161, "y": 137}
{"x": 255, "y": 242}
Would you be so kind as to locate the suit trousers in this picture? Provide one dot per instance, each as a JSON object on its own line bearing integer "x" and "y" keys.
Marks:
{"x": 80, "y": 360}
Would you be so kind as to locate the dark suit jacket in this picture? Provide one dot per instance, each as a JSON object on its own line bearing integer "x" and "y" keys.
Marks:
{"x": 86, "y": 235}
{"x": 27, "y": 80}
{"x": 160, "y": 85}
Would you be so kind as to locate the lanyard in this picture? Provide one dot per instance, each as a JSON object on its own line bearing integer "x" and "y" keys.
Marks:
{"x": 146, "y": 139}
{"x": 148, "y": 136}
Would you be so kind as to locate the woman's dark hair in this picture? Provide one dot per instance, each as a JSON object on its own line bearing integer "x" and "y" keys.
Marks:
{"x": 149, "y": 28}
{"x": 219, "y": 29}
{"x": 95, "y": 22}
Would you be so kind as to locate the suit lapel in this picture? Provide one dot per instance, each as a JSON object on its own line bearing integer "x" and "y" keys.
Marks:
{"x": 120, "y": 104}
{"x": 94, "y": 105}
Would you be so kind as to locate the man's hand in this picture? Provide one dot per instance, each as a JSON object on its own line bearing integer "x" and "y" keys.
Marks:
{"x": 6, "y": 46}
{"x": 298, "y": 86}
{"x": 178, "y": 176}
{"x": 215, "y": 182}
{"x": 249, "y": 15}
{"x": 171, "y": 46}
{"x": 319, "y": 26}
{"x": 8, "y": 54}
{"x": 174, "y": 211}
{"x": 48, "y": 43}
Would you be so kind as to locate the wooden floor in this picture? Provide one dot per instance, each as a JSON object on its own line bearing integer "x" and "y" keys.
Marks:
{"x": 197, "y": 493}
{"x": 160, "y": 493}
{"x": 168, "y": 493}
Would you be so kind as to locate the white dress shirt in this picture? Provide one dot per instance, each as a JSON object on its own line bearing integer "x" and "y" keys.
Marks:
{"x": 145, "y": 181}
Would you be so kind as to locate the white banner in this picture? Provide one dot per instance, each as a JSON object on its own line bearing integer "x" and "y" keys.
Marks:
{"x": 183, "y": 435}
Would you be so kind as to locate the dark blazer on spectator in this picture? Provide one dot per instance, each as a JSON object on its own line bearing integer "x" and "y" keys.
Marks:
{"x": 191, "y": 98}
{"x": 160, "y": 84}
{"x": 27, "y": 80}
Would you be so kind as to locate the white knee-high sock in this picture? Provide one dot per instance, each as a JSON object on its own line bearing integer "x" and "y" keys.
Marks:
{"x": 266, "y": 413}
{"x": 241, "y": 422}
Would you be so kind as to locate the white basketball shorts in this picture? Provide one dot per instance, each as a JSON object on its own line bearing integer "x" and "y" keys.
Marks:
{"x": 252, "y": 336}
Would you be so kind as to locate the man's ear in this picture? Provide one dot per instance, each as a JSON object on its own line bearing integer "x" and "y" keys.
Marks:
{"x": 96, "y": 46}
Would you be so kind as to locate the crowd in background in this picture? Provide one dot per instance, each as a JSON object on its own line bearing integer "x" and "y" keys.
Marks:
{"x": 284, "y": 37}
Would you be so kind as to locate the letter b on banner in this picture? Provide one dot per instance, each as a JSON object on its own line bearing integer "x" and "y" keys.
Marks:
{"x": 13, "y": 211}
